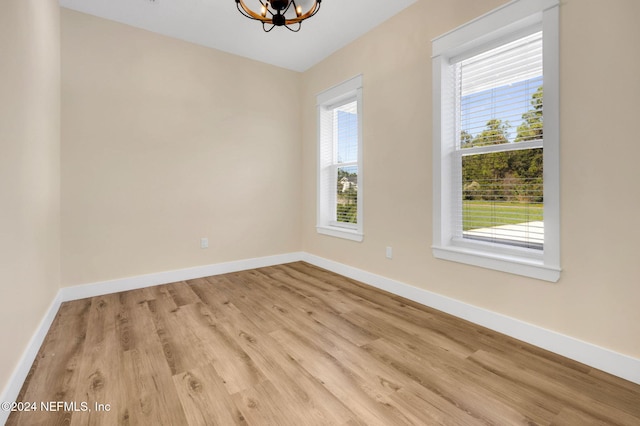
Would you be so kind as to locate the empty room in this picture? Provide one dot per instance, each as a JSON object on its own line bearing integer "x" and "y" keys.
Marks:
{"x": 316, "y": 212}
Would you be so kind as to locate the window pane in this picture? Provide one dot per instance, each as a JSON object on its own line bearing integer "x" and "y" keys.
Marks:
{"x": 346, "y": 124}
{"x": 347, "y": 195}
{"x": 497, "y": 89}
{"x": 502, "y": 197}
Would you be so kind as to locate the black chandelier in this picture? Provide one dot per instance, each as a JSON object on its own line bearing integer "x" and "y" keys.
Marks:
{"x": 279, "y": 13}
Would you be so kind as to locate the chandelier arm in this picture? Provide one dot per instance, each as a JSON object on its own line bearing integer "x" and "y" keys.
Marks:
{"x": 292, "y": 30}
{"x": 242, "y": 12}
{"x": 288, "y": 7}
{"x": 265, "y": 4}
{"x": 314, "y": 9}
{"x": 242, "y": 7}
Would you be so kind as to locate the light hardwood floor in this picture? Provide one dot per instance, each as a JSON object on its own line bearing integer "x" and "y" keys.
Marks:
{"x": 298, "y": 345}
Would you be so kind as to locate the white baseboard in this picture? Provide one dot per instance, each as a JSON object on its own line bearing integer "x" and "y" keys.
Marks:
{"x": 595, "y": 356}
{"x": 14, "y": 385}
{"x": 592, "y": 355}
{"x": 148, "y": 280}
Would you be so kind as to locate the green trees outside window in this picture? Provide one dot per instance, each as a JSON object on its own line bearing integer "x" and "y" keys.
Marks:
{"x": 504, "y": 187}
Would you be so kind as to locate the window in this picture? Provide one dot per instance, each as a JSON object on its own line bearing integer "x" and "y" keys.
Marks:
{"x": 496, "y": 141}
{"x": 340, "y": 160}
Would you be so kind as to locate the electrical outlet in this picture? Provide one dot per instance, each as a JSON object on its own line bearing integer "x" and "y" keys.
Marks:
{"x": 389, "y": 253}
{"x": 204, "y": 243}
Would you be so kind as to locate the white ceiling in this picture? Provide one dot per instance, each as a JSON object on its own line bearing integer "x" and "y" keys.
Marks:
{"x": 218, "y": 24}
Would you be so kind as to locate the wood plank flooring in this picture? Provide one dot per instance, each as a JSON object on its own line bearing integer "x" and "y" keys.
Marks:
{"x": 297, "y": 345}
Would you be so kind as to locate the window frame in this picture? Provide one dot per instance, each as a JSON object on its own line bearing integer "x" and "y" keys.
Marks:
{"x": 498, "y": 27}
{"x": 326, "y": 101}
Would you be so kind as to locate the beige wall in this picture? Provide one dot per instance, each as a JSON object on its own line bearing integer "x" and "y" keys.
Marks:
{"x": 29, "y": 171}
{"x": 165, "y": 142}
{"x": 596, "y": 299}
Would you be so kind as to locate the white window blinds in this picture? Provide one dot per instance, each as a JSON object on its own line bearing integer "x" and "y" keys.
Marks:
{"x": 499, "y": 148}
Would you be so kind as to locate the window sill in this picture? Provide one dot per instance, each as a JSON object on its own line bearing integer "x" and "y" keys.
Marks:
{"x": 518, "y": 265}
{"x": 334, "y": 231}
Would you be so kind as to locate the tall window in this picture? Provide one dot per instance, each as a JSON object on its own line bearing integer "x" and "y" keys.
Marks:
{"x": 340, "y": 158}
{"x": 499, "y": 151}
{"x": 496, "y": 145}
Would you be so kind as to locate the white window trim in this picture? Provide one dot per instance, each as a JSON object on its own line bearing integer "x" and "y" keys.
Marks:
{"x": 350, "y": 89}
{"x": 485, "y": 32}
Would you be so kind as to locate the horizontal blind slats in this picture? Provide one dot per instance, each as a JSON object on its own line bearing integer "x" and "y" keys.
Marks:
{"x": 515, "y": 61}
{"x": 345, "y": 124}
{"x": 500, "y": 194}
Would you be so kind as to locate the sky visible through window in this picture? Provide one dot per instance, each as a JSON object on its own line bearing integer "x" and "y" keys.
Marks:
{"x": 506, "y": 103}
{"x": 347, "y": 136}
